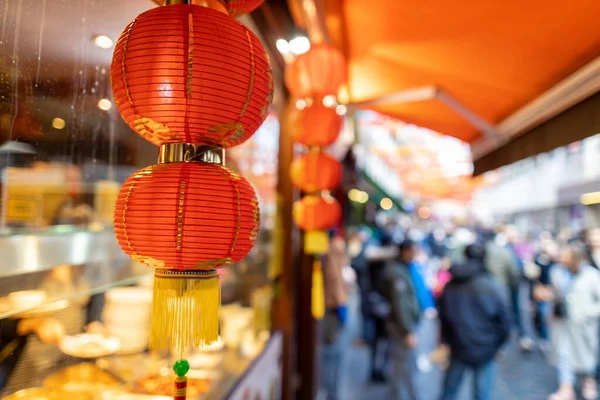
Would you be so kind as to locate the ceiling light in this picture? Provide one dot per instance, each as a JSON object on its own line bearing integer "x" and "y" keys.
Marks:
{"x": 300, "y": 104}
{"x": 341, "y": 109}
{"x": 104, "y": 42}
{"x": 58, "y": 123}
{"x": 299, "y": 45}
{"x": 329, "y": 101}
{"x": 104, "y": 104}
{"x": 283, "y": 46}
{"x": 386, "y": 203}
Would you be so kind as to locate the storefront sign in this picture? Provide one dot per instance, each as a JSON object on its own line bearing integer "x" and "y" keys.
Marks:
{"x": 263, "y": 379}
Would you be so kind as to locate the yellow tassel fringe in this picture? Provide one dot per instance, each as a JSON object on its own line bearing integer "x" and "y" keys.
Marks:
{"x": 318, "y": 294}
{"x": 185, "y": 310}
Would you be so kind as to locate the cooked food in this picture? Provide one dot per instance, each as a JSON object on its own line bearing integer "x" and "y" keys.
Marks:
{"x": 84, "y": 379}
{"x": 162, "y": 385}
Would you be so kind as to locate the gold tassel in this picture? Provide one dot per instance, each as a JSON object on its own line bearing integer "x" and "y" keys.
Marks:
{"x": 185, "y": 309}
{"x": 318, "y": 295}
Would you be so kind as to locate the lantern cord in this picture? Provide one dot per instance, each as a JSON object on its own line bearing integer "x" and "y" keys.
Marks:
{"x": 185, "y": 309}
{"x": 318, "y": 293}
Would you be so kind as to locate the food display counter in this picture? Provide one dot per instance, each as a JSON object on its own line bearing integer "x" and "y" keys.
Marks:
{"x": 100, "y": 303}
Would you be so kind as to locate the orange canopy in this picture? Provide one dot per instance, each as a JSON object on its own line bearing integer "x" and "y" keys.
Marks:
{"x": 491, "y": 56}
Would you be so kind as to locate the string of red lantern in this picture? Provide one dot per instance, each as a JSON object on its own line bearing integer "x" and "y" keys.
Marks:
{"x": 313, "y": 75}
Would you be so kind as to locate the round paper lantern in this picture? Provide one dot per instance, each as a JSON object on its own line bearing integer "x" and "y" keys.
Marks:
{"x": 316, "y": 213}
{"x": 186, "y": 215}
{"x": 316, "y": 171}
{"x": 190, "y": 74}
{"x": 316, "y": 125}
{"x": 239, "y": 7}
{"x": 318, "y": 72}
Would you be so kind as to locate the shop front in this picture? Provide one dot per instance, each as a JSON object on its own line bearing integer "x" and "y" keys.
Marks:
{"x": 75, "y": 310}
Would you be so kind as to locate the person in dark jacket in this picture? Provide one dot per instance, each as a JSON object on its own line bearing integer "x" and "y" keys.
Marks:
{"x": 475, "y": 322}
{"x": 402, "y": 323}
{"x": 378, "y": 253}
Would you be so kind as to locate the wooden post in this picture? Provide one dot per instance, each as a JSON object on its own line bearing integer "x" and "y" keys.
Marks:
{"x": 308, "y": 365}
{"x": 283, "y": 308}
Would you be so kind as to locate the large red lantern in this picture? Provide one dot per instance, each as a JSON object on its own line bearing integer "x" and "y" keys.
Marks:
{"x": 316, "y": 171}
{"x": 187, "y": 216}
{"x": 318, "y": 72}
{"x": 239, "y": 7}
{"x": 190, "y": 74}
{"x": 315, "y": 125}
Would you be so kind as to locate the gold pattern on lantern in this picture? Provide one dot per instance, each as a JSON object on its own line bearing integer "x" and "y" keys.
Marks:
{"x": 190, "y": 54}
{"x": 269, "y": 98}
{"x": 123, "y": 74}
{"x": 252, "y": 73}
{"x": 229, "y": 133}
{"x": 180, "y": 215}
{"x": 214, "y": 263}
{"x": 149, "y": 261}
{"x": 150, "y": 129}
{"x": 129, "y": 190}
{"x": 256, "y": 213}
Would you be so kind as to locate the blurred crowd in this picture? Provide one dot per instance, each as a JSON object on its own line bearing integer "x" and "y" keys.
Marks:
{"x": 473, "y": 289}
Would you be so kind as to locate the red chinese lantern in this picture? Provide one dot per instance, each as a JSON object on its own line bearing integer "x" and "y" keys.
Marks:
{"x": 239, "y": 7}
{"x": 317, "y": 73}
{"x": 317, "y": 213}
{"x": 185, "y": 219}
{"x": 316, "y": 171}
{"x": 190, "y": 74}
{"x": 316, "y": 125}
{"x": 187, "y": 216}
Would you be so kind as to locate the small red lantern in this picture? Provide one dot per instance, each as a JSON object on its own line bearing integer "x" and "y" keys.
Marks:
{"x": 317, "y": 73}
{"x": 185, "y": 219}
{"x": 316, "y": 213}
{"x": 239, "y": 7}
{"x": 316, "y": 125}
{"x": 190, "y": 74}
{"x": 316, "y": 171}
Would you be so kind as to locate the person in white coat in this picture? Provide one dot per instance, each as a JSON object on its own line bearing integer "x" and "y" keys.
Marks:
{"x": 575, "y": 294}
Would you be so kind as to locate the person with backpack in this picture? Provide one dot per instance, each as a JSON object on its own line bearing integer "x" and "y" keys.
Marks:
{"x": 475, "y": 324}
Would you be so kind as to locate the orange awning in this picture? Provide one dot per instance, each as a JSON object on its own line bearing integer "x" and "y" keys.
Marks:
{"x": 491, "y": 56}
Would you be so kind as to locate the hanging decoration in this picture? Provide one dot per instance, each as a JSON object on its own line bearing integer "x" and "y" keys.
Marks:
{"x": 316, "y": 171}
{"x": 317, "y": 73}
{"x": 194, "y": 81}
{"x": 315, "y": 125}
{"x": 314, "y": 78}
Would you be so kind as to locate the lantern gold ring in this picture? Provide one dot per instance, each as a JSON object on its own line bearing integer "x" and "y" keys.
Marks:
{"x": 186, "y": 152}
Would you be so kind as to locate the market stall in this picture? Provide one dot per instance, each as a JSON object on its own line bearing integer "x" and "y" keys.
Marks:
{"x": 75, "y": 311}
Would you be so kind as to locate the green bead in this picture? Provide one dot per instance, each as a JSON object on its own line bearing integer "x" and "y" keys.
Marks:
{"x": 181, "y": 367}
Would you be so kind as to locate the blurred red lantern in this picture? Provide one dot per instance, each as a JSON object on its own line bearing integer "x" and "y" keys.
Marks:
{"x": 316, "y": 213}
{"x": 239, "y": 7}
{"x": 316, "y": 171}
{"x": 318, "y": 72}
{"x": 316, "y": 125}
{"x": 190, "y": 74}
{"x": 186, "y": 215}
